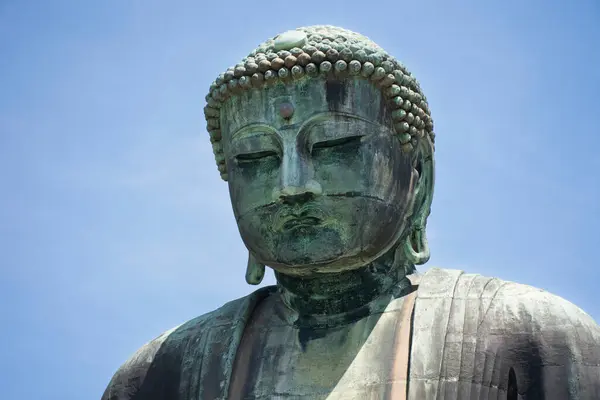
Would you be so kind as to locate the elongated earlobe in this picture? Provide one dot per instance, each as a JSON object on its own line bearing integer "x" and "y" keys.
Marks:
{"x": 255, "y": 271}
{"x": 416, "y": 248}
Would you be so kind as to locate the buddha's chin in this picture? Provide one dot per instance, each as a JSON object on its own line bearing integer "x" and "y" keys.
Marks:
{"x": 320, "y": 268}
{"x": 305, "y": 248}
{"x": 309, "y": 251}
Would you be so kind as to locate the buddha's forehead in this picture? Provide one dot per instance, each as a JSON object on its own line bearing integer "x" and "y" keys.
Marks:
{"x": 308, "y": 98}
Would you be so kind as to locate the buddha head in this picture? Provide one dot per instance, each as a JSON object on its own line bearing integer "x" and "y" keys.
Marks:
{"x": 326, "y": 142}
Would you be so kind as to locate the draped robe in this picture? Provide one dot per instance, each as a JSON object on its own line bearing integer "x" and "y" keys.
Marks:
{"x": 466, "y": 337}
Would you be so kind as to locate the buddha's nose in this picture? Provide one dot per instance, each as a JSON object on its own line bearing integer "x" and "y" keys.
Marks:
{"x": 295, "y": 180}
{"x": 297, "y": 194}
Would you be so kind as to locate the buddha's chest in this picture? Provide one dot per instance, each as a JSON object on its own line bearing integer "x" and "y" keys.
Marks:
{"x": 355, "y": 361}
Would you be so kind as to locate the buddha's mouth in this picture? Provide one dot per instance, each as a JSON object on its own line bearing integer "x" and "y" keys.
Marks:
{"x": 288, "y": 218}
{"x": 294, "y": 222}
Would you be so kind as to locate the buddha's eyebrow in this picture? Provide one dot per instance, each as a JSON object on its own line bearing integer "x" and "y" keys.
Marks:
{"x": 332, "y": 115}
{"x": 253, "y": 129}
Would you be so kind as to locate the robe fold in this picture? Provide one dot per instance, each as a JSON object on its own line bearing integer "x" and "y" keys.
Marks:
{"x": 471, "y": 337}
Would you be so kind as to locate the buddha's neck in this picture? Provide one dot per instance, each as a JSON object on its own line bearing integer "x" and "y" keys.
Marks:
{"x": 334, "y": 298}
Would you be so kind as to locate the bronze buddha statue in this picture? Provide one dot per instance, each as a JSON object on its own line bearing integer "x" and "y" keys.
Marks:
{"x": 327, "y": 144}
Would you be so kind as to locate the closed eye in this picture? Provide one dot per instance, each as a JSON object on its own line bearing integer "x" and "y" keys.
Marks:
{"x": 254, "y": 156}
{"x": 336, "y": 142}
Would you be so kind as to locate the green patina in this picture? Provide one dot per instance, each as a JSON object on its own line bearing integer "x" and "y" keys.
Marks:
{"x": 311, "y": 157}
{"x": 326, "y": 142}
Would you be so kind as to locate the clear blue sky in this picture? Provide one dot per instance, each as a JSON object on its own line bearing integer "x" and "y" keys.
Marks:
{"x": 115, "y": 226}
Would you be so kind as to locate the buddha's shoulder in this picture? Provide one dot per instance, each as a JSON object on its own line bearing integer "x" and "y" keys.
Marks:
{"x": 493, "y": 327}
{"x": 165, "y": 355}
{"x": 501, "y": 304}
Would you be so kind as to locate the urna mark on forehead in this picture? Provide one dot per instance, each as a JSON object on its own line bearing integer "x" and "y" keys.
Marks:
{"x": 287, "y": 105}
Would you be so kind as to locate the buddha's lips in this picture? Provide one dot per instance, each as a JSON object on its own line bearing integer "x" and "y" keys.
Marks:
{"x": 292, "y": 217}
{"x": 295, "y": 222}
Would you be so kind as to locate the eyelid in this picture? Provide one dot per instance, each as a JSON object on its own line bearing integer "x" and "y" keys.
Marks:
{"x": 329, "y": 130}
{"x": 253, "y": 142}
{"x": 249, "y": 157}
{"x": 336, "y": 142}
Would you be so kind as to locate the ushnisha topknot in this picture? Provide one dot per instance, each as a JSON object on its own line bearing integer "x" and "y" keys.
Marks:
{"x": 321, "y": 51}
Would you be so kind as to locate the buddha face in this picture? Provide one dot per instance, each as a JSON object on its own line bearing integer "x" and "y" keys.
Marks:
{"x": 317, "y": 179}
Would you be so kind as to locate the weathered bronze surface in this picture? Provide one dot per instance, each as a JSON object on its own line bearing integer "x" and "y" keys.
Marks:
{"x": 327, "y": 145}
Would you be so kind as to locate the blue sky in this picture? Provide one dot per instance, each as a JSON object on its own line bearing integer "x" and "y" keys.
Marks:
{"x": 115, "y": 226}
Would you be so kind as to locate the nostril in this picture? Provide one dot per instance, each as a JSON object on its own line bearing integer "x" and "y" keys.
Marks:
{"x": 296, "y": 198}
{"x": 297, "y": 194}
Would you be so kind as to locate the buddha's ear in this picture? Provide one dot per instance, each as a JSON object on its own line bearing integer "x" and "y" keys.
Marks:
{"x": 425, "y": 165}
{"x": 416, "y": 248}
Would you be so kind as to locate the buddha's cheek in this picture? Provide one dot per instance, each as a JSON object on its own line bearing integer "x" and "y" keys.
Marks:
{"x": 382, "y": 225}
{"x": 251, "y": 187}
{"x": 367, "y": 227}
{"x": 256, "y": 230}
